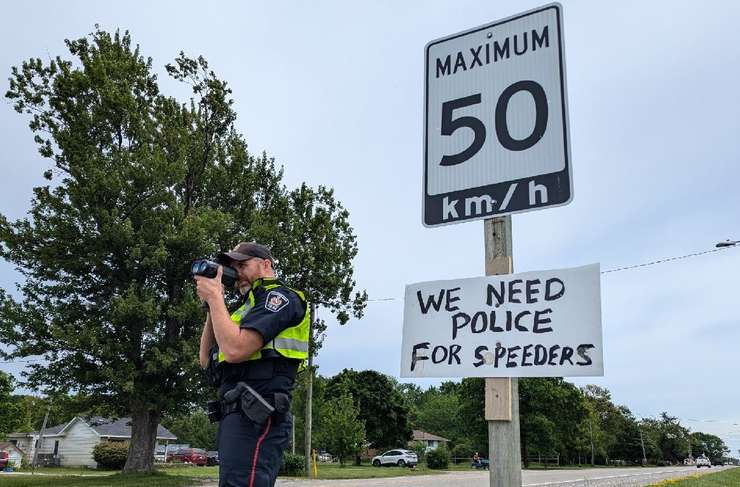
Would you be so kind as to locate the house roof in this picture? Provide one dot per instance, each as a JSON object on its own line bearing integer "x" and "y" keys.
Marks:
{"x": 105, "y": 427}
{"x": 424, "y": 436}
{"x": 121, "y": 427}
{"x": 53, "y": 431}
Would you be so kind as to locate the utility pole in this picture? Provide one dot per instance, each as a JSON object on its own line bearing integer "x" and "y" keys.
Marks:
{"x": 591, "y": 431}
{"x": 309, "y": 396}
{"x": 642, "y": 444}
{"x": 41, "y": 438}
{"x": 502, "y": 394}
{"x": 690, "y": 455}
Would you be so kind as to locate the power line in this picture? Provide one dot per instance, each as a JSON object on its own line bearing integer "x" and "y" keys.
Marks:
{"x": 619, "y": 269}
{"x": 662, "y": 261}
{"x": 608, "y": 271}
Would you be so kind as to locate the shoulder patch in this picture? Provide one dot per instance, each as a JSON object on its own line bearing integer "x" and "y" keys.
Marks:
{"x": 276, "y": 301}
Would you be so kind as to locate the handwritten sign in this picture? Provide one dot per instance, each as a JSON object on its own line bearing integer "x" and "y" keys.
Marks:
{"x": 532, "y": 324}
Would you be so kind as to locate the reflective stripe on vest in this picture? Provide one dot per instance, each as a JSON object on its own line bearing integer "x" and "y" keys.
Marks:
{"x": 292, "y": 342}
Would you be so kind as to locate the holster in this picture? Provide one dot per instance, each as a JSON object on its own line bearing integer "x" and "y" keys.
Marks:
{"x": 251, "y": 404}
{"x": 214, "y": 373}
{"x": 214, "y": 411}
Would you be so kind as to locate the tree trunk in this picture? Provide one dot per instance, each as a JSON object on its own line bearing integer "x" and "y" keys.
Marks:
{"x": 309, "y": 398}
{"x": 144, "y": 423}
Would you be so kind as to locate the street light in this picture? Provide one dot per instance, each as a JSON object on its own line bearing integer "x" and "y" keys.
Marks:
{"x": 727, "y": 243}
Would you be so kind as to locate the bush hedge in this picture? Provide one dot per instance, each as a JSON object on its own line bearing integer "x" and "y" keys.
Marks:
{"x": 292, "y": 465}
{"x": 111, "y": 455}
{"x": 462, "y": 451}
{"x": 439, "y": 458}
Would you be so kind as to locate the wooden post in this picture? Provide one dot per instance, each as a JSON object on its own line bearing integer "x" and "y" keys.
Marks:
{"x": 41, "y": 439}
{"x": 309, "y": 397}
{"x": 502, "y": 394}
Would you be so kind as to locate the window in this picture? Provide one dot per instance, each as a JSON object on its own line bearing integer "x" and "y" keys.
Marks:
{"x": 56, "y": 447}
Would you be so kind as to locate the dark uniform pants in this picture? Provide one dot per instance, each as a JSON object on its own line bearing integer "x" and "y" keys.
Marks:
{"x": 250, "y": 455}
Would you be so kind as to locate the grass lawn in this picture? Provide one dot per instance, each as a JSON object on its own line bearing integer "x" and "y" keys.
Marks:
{"x": 182, "y": 476}
{"x": 720, "y": 479}
{"x": 366, "y": 471}
{"x": 112, "y": 480}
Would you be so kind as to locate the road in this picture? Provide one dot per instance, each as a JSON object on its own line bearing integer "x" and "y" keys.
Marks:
{"x": 587, "y": 477}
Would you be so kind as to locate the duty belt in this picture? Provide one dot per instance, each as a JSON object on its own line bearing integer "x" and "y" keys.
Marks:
{"x": 250, "y": 403}
{"x": 262, "y": 369}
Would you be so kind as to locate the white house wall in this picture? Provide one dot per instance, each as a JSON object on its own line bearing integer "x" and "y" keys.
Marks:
{"x": 77, "y": 445}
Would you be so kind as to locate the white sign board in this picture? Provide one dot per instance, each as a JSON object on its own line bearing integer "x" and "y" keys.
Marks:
{"x": 496, "y": 121}
{"x": 532, "y": 324}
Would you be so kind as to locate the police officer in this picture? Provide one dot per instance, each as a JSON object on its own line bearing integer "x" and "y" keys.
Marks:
{"x": 252, "y": 355}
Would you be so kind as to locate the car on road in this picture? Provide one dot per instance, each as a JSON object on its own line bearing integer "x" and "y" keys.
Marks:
{"x": 196, "y": 456}
{"x": 703, "y": 462}
{"x": 402, "y": 458}
{"x": 212, "y": 458}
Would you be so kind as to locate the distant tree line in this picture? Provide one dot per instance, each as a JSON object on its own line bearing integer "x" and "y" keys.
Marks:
{"x": 357, "y": 410}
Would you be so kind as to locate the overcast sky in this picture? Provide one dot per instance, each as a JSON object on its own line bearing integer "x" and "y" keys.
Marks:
{"x": 334, "y": 91}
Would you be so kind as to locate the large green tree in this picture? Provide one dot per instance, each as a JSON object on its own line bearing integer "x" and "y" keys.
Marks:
{"x": 472, "y": 419}
{"x": 710, "y": 445}
{"x": 12, "y": 418}
{"x": 550, "y": 410}
{"x": 194, "y": 429}
{"x": 438, "y": 414}
{"x": 140, "y": 184}
{"x": 668, "y": 439}
{"x": 382, "y": 407}
{"x": 342, "y": 431}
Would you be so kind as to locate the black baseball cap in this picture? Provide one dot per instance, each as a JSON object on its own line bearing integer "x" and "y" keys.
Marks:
{"x": 247, "y": 250}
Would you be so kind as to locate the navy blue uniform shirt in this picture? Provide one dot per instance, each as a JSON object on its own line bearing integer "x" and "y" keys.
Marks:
{"x": 274, "y": 310}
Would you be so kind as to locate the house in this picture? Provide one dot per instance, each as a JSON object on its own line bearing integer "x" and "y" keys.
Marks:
{"x": 430, "y": 441}
{"x": 14, "y": 453}
{"x": 72, "y": 443}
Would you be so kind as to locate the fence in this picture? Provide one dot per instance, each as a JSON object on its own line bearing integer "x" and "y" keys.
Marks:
{"x": 544, "y": 460}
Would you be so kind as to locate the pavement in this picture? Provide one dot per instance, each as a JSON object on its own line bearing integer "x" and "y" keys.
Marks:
{"x": 585, "y": 477}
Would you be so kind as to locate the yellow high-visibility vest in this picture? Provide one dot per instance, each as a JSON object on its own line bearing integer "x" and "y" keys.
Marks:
{"x": 292, "y": 342}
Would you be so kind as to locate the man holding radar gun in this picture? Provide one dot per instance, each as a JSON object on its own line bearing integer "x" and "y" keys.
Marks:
{"x": 252, "y": 355}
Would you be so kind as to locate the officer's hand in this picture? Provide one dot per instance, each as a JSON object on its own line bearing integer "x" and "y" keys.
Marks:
{"x": 210, "y": 289}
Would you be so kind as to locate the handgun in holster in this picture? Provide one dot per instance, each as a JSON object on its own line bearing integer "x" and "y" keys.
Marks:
{"x": 214, "y": 411}
{"x": 253, "y": 405}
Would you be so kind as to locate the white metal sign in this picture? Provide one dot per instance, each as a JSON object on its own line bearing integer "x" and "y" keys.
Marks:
{"x": 496, "y": 122}
{"x": 532, "y": 324}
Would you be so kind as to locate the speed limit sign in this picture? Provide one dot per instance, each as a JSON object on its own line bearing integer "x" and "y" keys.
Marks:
{"x": 496, "y": 121}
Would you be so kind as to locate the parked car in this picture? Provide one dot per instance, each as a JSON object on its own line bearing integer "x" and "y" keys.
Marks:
{"x": 4, "y": 458}
{"x": 703, "y": 462}
{"x": 325, "y": 457}
{"x": 196, "y": 456}
{"x": 212, "y": 458}
{"x": 399, "y": 457}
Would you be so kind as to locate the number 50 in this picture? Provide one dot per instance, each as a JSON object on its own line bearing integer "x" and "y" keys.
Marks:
{"x": 450, "y": 125}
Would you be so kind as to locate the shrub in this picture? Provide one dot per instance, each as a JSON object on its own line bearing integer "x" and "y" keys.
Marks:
{"x": 292, "y": 464}
{"x": 462, "y": 451}
{"x": 111, "y": 455}
{"x": 439, "y": 458}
